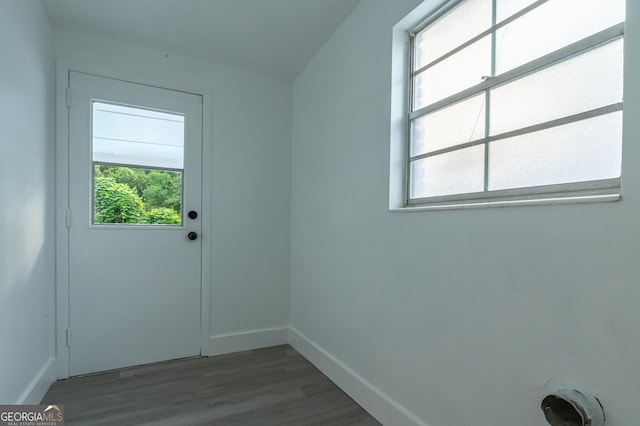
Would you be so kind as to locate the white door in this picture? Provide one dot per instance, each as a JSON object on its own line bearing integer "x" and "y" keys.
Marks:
{"x": 134, "y": 236}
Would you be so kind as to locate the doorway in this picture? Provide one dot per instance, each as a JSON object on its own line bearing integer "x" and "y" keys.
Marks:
{"x": 134, "y": 224}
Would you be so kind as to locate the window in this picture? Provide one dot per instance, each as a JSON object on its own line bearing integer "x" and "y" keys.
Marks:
{"x": 138, "y": 163}
{"x": 515, "y": 100}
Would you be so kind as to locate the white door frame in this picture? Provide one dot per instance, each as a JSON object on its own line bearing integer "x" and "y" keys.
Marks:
{"x": 62, "y": 197}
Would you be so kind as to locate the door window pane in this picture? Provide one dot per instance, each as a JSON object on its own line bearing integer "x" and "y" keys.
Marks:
{"x": 582, "y": 151}
{"x": 137, "y": 196}
{"x": 137, "y": 137}
{"x": 138, "y": 161}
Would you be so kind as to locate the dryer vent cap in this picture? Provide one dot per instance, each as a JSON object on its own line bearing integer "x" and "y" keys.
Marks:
{"x": 570, "y": 407}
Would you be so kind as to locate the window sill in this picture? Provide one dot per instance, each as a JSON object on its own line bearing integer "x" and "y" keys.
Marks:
{"x": 515, "y": 203}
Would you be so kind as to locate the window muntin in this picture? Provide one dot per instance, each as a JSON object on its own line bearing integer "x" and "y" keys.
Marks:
{"x": 466, "y": 65}
{"x": 460, "y": 25}
{"x": 581, "y": 83}
{"x": 575, "y": 152}
{"x": 507, "y": 8}
{"x": 551, "y": 26}
{"x": 455, "y": 172}
{"x": 450, "y": 126}
{"x": 575, "y": 80}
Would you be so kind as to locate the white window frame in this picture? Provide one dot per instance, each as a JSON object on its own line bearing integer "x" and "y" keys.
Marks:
{"x": 594, "y": 190}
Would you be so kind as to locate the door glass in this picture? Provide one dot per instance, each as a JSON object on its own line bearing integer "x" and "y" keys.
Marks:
{"x": 138, "y": 163}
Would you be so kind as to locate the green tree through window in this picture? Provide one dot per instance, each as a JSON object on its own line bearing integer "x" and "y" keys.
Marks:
{"x": 137, "y": 196}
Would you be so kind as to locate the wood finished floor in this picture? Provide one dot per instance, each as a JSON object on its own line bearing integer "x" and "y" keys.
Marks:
{"x": 271, "y": 386}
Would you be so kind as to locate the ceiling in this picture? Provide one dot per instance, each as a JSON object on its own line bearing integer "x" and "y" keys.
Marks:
{"x": 276, "y": 37}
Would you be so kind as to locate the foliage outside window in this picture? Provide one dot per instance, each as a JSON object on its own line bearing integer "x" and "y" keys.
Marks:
{"x": 131, "y": 195}
{"x": 515, "y": 99}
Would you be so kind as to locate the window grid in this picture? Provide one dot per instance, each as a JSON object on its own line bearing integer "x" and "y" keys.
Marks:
{"x": 487, "y": 99}
{"x": 594, "y": 41}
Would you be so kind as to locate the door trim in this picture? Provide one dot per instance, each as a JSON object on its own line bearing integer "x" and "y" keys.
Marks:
{"x": 62, "y": 320}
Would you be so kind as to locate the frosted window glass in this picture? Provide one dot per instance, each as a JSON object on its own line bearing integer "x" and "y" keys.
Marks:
{"x": 456, "y": 172}
{"x": 507, "y": 8}
{"x": 581, "y": 151}
{"x": 555, "y": 24}
{"x": 456, "y": 73}
{"x": 588, "y": 81}
{"x": 458, "y": 26}
{"x": 137, "y": 137}
{"x": 459, "y": 123}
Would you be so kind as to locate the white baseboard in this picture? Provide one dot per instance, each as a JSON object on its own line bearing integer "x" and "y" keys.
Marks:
{"x": 379, "y": 405}
{"x": 384, "y": 409}
{"x": 236, "y": 342}
{"x": 39, "y": 385}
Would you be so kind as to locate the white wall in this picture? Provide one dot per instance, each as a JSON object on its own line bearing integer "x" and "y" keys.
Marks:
{"x": 460, "y": 316}
{"x": 27, "y": 294}
{"x": 249, "y": 189}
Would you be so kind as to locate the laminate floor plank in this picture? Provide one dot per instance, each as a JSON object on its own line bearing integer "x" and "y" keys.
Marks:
{"x": 347, "y": 415}
{"x": 270, "y": 386}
